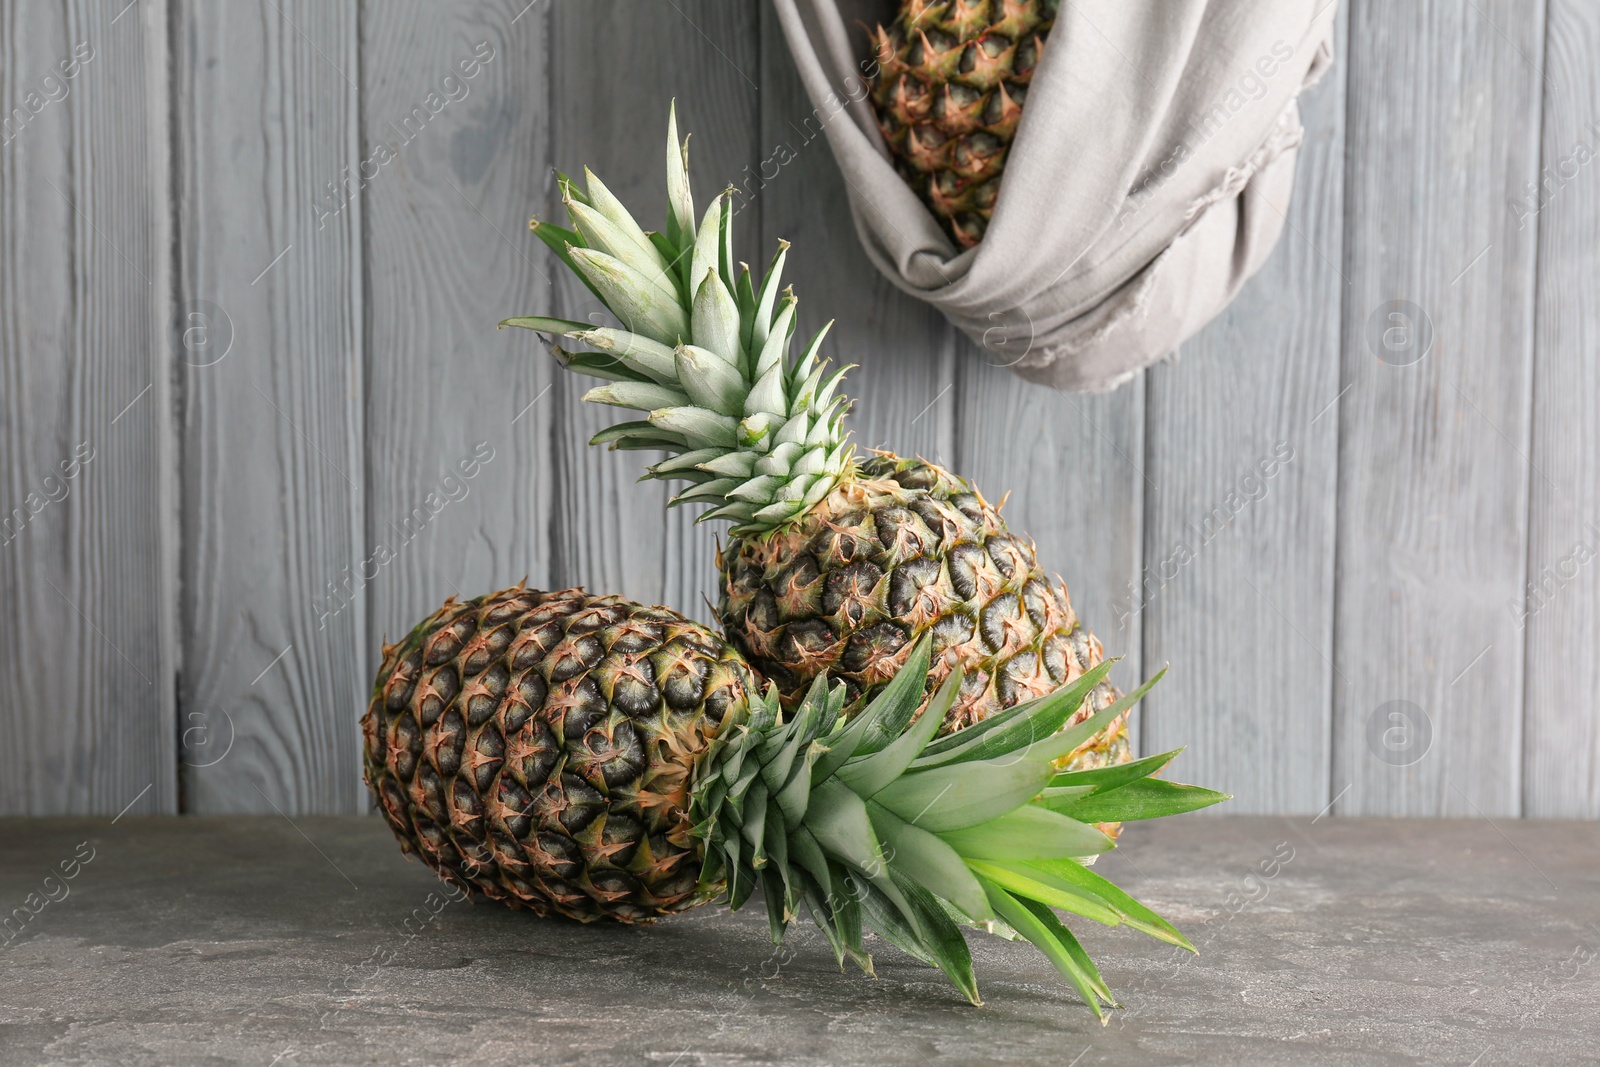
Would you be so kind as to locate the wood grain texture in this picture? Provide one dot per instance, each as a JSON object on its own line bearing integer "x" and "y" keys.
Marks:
{"x": 274, "y": 607}
{"x": 1237, "y": 590}
{"x": 88, "y": 649}
{"x": 1558, "y": 615}
{"x": 904, "y": 387}
{"x": 459, "y": 413}
{"x": 1433, "y": 469}
{"x": 613, "y": 535}
{"x": 278, "y": 345}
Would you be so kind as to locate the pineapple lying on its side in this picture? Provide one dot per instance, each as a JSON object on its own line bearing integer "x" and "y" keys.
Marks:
{"x": 951, "y": 82}
{"x": 835, "y": 564}
{"x": 598, "y": 759}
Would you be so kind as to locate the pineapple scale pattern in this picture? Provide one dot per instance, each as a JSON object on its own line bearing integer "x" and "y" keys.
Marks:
{"x": 905, "y": 549}
{"x": 537, "y": 748}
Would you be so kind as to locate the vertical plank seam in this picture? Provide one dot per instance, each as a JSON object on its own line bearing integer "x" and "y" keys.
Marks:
{"x": 10, "y": 341}
{"x": 1143, "y": 522}
{"x": 1523, "y": 754}
{"x": 361, "y": 406}
{"x": 1345, "y": 244}
{"x": 75, "y": 379}
{"x": 1147, "y": 387}
{"x": 169, "y": 415}
{"x": 560, "y": 570}
{"x": 1330, "y": 714}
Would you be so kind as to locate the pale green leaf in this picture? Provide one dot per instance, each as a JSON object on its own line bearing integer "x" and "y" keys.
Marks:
{"x": 700, "y": 428}
{"x": 710, "y": 382}
{"x": 680, "y": 202}
{"x": 1017, "y": 726}
{"x": 632, "y": 298}
{"x": 1047, "y": 889}
{"x": 707, "y": 245}
{"x": 613, "y": 210}
{"x": 775, "y": 344}
{"x": 1135, "y": 914}
{"x": 1116, "y": 774}
{"x": 767, "y": 395}
{"x": 927, "y": 860}
{"x": 715, "y": 321}
{"x": 643, "y": 396}
{"x": 1030, "y": 924}
{"x": 964, "y": 794}
{"x": 1148, "y": 798}
{"x": 868, "y": 774}
{"x": 601, "y": 234}
{"x": 837, "y": 818}
{"x": 1028, "y": 833}
{"x": 764, "y": 303}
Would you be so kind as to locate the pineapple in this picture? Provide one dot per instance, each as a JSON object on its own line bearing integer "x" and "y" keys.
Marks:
{"x": 952, "y": 77}
{"x": 834, "y": 564}
{"x": 588, "y": 757}
{"x": 537, "y": 747}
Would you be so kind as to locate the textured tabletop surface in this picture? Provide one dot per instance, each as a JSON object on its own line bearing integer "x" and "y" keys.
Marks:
{"x": 261, "y": 941}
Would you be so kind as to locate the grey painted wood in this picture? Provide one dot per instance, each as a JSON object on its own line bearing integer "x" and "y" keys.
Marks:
{"x": 905, "y": 385}
{"x": 210, "y": 581}
{"x": 1433, "y": 468}
{"x": 612, "y": 534}
{"x": 88, "y": 649}
{"x": 274, "y": 609}
{"x": 1341, "y": 942}
{"x": 718, "y": 109}
{"x": 1558, "y": 617}
{"x": 448, "y": 255}
{"x": 1237, "y": 590}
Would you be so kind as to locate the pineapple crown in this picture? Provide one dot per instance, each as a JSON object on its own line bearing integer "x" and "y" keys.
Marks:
{"x": 756, "y": 432}
{"x": 871, "y": 822}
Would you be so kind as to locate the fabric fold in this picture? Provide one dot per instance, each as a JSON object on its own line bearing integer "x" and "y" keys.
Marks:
{"x": 1148, "y": 180}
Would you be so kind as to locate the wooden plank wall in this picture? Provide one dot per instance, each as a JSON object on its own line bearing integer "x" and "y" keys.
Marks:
{"x": 272, "y": 458}
{"x": 254, "y": 257}
{"x": 1245, "y": 623}
{"x": 1557, "y": 616}
{"x": 88, "y": 582}
{"x": 1442, "y": 131}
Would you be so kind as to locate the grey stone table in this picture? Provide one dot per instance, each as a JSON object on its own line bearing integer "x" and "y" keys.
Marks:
{"x": 261, "y": 941}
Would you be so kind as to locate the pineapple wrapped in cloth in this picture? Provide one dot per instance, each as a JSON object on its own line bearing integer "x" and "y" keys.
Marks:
{"x": 950, "y": 82}
{"x": 836, "y": 563}
{"x": 589, "y": 757}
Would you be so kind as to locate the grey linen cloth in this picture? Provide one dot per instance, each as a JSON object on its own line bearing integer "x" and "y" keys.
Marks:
{"x": 1149, "y": 178}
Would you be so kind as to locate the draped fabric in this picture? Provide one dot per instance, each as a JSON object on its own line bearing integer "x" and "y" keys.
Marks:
{"x": 1149, "y": 178}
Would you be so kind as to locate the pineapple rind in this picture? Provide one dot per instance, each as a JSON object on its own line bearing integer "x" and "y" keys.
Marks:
{"x": 539, "y": 748}
{"x": 950, "y": 82}
{"x": 905, "y": 549}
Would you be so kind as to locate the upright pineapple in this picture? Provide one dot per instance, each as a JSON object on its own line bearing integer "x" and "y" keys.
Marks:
{"x": 952, "y": 77}
{"x": 601, "y": 760}
{"x": 834, "y": 565}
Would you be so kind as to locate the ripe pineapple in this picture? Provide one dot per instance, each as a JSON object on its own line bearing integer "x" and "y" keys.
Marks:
{"x": 951, "y": 82}
{"x": 900, "y": 549}
{"x": 537, "y": 747}
{"x": 834, "y": 564}
{"x": 596, "y": 759}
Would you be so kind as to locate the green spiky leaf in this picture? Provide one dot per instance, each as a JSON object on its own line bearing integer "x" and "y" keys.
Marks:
{"x": 1148, "y": 798}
